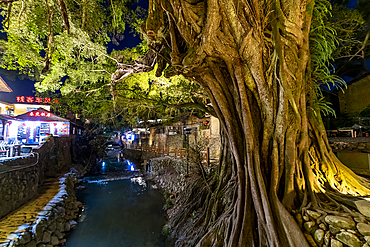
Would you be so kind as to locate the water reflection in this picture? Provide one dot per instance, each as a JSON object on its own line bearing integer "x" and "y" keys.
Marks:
{"x": 119, "y": 212}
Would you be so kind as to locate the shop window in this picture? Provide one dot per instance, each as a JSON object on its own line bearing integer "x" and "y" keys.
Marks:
{"x": 31, "y": 109}
{"x": 9, "y": 110}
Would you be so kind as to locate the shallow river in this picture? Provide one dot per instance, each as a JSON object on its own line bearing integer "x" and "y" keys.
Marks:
{"x": 119, "y": 213}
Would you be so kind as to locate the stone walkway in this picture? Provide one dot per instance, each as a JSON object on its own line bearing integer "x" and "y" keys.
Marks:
{"x": 28, "y": 212}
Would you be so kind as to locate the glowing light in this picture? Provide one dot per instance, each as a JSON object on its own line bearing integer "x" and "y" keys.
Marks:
{"x": 30, "y": 99}
{"x": 103, "y": 164}
{"x": 132, "y": 168}
{"x": 130, "y": 136}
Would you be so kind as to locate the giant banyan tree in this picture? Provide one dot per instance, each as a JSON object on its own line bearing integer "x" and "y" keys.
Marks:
{"x": 254, "y": 60}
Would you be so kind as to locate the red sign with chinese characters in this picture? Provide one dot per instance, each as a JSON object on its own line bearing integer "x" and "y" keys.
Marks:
{"x": 39, "y": 114}
{"x": 30, "y": 99}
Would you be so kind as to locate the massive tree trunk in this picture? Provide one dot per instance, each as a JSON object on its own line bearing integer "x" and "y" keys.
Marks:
{"x": 253, "y": 59}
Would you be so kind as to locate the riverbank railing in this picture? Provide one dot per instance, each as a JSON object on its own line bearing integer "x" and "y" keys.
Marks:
{"x": 173, "y": 151}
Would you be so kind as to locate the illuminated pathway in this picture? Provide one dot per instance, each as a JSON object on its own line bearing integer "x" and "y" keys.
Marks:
{"x": 28, "y": 212}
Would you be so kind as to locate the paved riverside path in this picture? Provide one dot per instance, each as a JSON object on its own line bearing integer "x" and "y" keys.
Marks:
{"x": 28, "y": 212}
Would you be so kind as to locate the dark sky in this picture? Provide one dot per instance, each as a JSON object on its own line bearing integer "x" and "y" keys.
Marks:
{"x": 19, "y": 87}
{"x": 25, "y": 87}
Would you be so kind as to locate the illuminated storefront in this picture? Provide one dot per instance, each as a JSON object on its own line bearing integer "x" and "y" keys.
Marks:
{"x": 33, "y": 127}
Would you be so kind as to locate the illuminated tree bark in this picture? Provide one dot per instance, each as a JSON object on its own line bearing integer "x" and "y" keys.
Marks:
{"x": 253, "y": 59}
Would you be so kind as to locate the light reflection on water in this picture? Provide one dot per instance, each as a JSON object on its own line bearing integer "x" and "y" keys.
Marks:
{"x": 119, "y": 213}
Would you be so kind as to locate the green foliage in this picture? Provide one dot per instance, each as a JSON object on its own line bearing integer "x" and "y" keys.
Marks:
{"x": 166, "y": 230}
{"x": 32, "y": 21}
{"x": 353, "y": 29}
{"x": 79, "y": 70}
{"x": 323, "y": 43}
{"x": 323, "y": 106}
{"x": 168, "y": 205}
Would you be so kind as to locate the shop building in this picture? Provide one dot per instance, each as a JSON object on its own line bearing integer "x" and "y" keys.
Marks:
{"x": 35, "y": 126}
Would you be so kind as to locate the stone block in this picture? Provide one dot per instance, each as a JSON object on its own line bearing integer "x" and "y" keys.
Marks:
{"x": 334, "y": 230}
{"x": 59, "y": 234}
{"x": 323, "y": 226}
{"x": 46, "y": 237}
{"x": 73, "y": 223}
{"x": 319, "y": 236}
{"x": 349, "y": 239}
{"x": 360, "y": 219}
{"x": 67, "y": 227}
{"x": 54, "y": 240}
{"x": 341, "y": 222}
{"x": 313, "y": 214}
{"x": 52, "y": 226}
{"x": 25, "y": 237}
{"x": 364, "y": 229}
{"x": 31, "y": 244}
{"x": 335, "y": 243}
{"x": 364, "y": 207}
{"x": 60, "y": 225}
{"x": 367, "y": 239}
{"x": 310, "y": 226}
{"x": 38, "y": 230}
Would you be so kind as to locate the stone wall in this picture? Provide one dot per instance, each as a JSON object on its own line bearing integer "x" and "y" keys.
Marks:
{"x": 55, "y": 156}
{"x": 20, "y": 177}
{"x": 51, "y": 224}
{"x": 339, "y": 230}
{"x": 353, "y": 152}
{"x": 169, "y": 173}
{"x": 19, "y": 185}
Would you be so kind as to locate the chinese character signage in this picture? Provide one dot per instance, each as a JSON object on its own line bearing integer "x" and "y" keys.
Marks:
{"x": 39, "y": 114}
{"x": 38, "y": 100}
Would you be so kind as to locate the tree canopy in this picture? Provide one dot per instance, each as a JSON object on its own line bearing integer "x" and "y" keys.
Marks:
{"x": 63, "y": 47}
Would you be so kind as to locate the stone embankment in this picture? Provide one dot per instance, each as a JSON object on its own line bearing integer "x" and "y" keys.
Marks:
{"x": 169, "y": 173}
{"x": 18, "y": 184}
{"x": 335, "y": 230}
{"x": 50, "y": 225}
{"x": 348, "y": 144}
{"x": 20, "y": 177}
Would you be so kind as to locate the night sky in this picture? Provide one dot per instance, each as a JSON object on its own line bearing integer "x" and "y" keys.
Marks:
{"x": 25, "y": 87}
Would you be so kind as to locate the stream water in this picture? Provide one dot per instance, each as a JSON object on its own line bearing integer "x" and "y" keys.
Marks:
{"x": 118, "y": 213}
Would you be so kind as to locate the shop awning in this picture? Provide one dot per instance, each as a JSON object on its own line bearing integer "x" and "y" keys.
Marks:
{"x": 41, "y": 115}
{"x": 7, "y": 117}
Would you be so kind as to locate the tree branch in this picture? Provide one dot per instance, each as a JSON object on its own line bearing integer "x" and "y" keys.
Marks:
{"x": 64, "y": 12}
